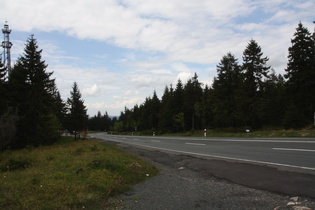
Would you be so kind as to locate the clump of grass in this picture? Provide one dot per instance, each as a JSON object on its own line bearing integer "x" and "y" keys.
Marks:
{"x": 16, "y": 162}
{"x": 74, "y": 174}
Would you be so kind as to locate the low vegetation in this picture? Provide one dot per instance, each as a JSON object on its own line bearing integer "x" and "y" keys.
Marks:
{"x": 69, "y": 174}
{"x": 232, "y": 132}
{"x": 258, "y": 133}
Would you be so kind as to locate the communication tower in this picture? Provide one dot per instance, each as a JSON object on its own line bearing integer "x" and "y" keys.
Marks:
{"x": 6, "y": 44}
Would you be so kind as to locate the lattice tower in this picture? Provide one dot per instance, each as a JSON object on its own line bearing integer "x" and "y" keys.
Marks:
{"x": 6, "y": 45}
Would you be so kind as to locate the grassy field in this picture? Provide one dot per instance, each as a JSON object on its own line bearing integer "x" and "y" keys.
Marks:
{"x": 68, "y": 175}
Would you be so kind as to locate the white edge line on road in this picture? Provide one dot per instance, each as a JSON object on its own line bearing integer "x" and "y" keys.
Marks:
{"x": 195, "y": 144}
{"x": 221, "y": 157}
{"x": 229, "y": 158}
{"x": 290, "y": 149}
{"x": 257, "y": 140}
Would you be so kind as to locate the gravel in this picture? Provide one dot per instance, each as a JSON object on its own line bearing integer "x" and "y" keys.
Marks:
{"x": 187, "y": 182}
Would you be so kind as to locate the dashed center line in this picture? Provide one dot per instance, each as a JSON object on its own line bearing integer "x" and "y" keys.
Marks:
{"x": 290, "y": 149}
{"x": 197, "y": 144}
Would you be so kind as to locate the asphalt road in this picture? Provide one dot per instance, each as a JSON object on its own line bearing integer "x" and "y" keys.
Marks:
{"x": 295, "y": 153}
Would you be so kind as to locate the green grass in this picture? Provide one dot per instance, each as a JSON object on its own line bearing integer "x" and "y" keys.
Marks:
{"x": 67, "y": 175}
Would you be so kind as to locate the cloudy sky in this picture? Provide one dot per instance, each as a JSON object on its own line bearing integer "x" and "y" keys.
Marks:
{"x": 120, "y": 51}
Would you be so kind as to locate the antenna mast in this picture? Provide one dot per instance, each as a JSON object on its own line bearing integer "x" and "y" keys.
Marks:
{"x": 6, "y": 44}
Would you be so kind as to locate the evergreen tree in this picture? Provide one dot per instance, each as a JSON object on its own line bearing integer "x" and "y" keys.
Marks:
{"x": 255, "y": 72}
{"x": 31, "y": 92}
{"x": 273, "y": 101}
{"x": 76, "y": 116}
{"x": 99, "y": 122}
{"x": 127, "y": 120}
{"x": 154, "y": 111}
{"x": 60, "y": 109}
{"x": 225, "y": 87}
{"x": 208, "y": 98}
{"x": 192, "y": 95}
{"x": 150, "y": 114}
{"x": 106, "y": 122}
{"x": 144, "y": 111}
{"x": 8, "y": 115}
{"x": 178, "y": 97}
{"x": 300, "y": 74}
{"x": 167, "y": 110}
{"x": 136, "y": 116}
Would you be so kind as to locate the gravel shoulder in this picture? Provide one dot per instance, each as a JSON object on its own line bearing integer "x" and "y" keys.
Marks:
{"x": 187, "y": 182}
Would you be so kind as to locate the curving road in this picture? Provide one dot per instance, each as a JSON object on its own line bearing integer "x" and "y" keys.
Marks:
{"x": 298, "y": 153}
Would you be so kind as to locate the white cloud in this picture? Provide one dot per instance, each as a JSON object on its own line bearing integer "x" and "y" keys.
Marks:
{"x": 131, "y": 93}
{"x": 164, "y": 40}
{"x": 92, "y": 91}
{"x": 183, "y": 76}
{"x": 113, "y": 107}
{"x": 186, "y": 31}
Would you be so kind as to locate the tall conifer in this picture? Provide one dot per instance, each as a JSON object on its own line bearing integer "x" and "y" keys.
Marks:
{"x": 76, "y": 117}
{"x": 255, "y": 72}
{"x": 225, "y": 87}
{"x": 300, "y": 75}
{"x": 31, "y": 92}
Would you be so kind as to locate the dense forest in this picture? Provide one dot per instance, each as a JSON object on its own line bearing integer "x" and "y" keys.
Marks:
{"x": 247, "y": 95}
{"x": 32, "y": 112}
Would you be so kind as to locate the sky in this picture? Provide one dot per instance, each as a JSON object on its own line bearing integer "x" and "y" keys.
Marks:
{"x": 120, "y": 51}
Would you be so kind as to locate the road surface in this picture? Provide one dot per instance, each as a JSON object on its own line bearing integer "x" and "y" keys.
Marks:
{"x": 296, "y": 153}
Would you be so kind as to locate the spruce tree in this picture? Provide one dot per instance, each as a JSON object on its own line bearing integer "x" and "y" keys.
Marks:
{"x": 273, "y": 100}
{"x": 255, "y": 73}
{"x": 300, "y": 75}
{"x": 8, "y": 116}
{"x": 60, "y": 108}
{"x": 155, "y": 111}
{"x": 208, "y": 98}
{"x": 31, "y": 93}
{"x": 167, "y": 110}
{"x": 179, "y": 97}
{"x": 192, "y": 95}
{"x": 225, "y": 87}
{"x": 76, "y": 116}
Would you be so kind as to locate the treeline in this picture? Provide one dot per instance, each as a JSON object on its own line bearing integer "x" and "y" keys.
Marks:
{"x": 32, "y": 112}
{"x": 243, "y": 95}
